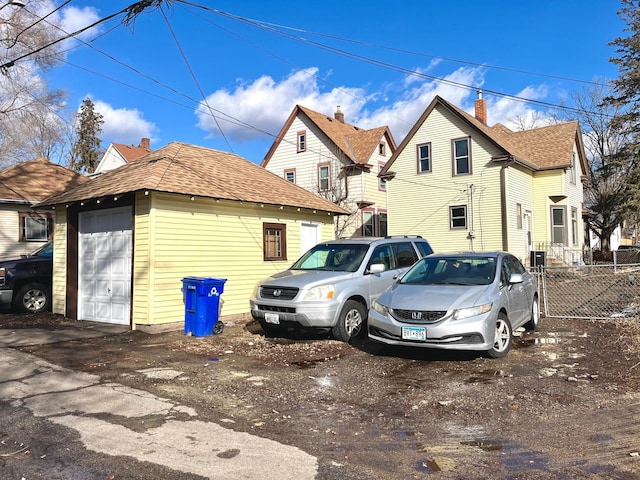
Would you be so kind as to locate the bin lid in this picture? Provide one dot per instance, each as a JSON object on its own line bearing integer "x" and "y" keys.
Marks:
{"x": 203, "y": 280}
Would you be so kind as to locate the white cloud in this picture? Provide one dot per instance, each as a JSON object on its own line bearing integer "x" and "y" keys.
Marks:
{"x": 266, "y": 103}
{"x": 72, "y": 19}
{"x": 122, "y": 125}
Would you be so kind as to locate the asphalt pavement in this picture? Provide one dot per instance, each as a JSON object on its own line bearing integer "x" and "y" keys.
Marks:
{"x": 109, "y": 418}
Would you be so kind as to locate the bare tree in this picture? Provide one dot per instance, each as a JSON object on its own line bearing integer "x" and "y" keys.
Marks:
{"x": 32, "y": 118}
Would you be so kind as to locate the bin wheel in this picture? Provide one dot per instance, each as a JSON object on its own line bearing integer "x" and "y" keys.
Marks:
{"x": 218, "y": 327}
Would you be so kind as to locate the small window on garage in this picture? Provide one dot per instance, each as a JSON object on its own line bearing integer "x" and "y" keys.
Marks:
{"x": 35, "y": 227}
{"x": 275, "y": 241}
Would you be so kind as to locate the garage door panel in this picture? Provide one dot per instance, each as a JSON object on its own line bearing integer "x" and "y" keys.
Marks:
{"x": 105, "y": 245}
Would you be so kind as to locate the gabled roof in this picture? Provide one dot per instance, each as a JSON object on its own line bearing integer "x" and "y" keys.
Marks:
{"x": 131, "y": 153}
{"x": 543, "y": 148}
{"x": 356, "y": 144}
{"x": 35, "y": 180}
{"x": 191, "y": 170}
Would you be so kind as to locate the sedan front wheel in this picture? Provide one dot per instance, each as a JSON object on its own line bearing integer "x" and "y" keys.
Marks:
{"x": 503, "y": 338}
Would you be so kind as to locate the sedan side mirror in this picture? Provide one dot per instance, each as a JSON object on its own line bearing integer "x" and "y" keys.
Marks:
{"x": 516, "y": 278}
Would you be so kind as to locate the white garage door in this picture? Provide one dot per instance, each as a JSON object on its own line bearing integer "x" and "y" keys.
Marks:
{"x": 104, "y": 266}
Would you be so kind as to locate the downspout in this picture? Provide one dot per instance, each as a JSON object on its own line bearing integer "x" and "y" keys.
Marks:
{"x": 503, "y": 201}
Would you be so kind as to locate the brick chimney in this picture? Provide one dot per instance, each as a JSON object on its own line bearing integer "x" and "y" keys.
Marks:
{"x": 145, "y": 143}
{"x": 339, "y": 115}
{"x": 481, "y": 108}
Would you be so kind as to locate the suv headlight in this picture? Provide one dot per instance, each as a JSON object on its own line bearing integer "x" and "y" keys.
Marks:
{"x": 461, "y": 313}
{"x": 323, "y": 292}
{"x": 378, "y": 307}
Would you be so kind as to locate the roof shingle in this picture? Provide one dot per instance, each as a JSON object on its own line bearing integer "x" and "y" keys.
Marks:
{"x": 192, "y": 170}
{"x": 37, "y": 179}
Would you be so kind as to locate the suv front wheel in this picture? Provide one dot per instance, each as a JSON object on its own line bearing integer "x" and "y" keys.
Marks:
{"x": 351, "y": 321}
{"x": 32, "y": 298}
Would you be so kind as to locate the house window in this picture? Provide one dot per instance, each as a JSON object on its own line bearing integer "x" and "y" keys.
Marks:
{"x": 519, "y": 216}
{"x": 382, "y": 182}
{"x": 461, "y": 157}
{"x": 35, "y": 227}
{"x": 290, "y": 175}
{"x": 382, "y": 224}
{"x": 374, "y": 224}
{"x": 382, "y": 149}
{"x": 275, "y": 241}
{"x": 324, "y": 182}
{"x": 558, "y": 225}
{"x": 302, "y": 141}
{"x": 572, "y": 171}
{"x": 424, "y": 158}
{"x": 574, "y": 225}
{"x": 458, "y": 217}
{"x": 368, "y": 226}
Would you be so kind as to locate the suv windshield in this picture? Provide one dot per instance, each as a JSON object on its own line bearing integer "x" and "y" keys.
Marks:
{"x": 333, "y": 257}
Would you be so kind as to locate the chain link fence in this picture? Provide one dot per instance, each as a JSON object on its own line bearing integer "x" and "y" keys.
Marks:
{"x": 590, "y": 291}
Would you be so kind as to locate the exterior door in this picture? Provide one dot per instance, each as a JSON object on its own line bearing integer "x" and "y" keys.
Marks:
{"x": 104, "y": 265}
{"x": 309, "y": 236}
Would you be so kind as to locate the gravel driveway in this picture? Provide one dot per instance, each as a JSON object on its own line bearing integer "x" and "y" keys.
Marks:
{"x": 564, "y": 403}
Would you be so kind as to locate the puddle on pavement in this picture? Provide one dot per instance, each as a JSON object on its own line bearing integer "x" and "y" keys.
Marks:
{"x": 487, "y": 376}
{"x": 486, "y": 446}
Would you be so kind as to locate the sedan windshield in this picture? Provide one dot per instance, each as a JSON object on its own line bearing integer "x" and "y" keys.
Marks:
{"x": 332, "y": 257}
{"x": 454, "y": 270}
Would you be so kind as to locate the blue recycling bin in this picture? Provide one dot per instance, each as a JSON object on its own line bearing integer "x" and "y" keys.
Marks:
{"x": 202, "y": 305}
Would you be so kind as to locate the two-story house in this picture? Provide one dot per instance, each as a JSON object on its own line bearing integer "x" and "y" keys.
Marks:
{"x": 467, "y": 186}
{"x": 338, "y": 161}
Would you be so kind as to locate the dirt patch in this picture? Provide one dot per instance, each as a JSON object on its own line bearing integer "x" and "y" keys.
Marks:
{"x": 563, "y": 404}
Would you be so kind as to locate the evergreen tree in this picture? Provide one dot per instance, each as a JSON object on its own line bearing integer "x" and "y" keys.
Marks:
{"x": 85, "y": 152}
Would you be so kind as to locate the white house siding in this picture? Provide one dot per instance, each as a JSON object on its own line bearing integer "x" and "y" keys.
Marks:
{"x": 519, "y": 183}
{"x": 418, "y": 204}
{"x": 59, "y": 281}
{"x": 10, "y": 245}
{"x": 575, "y": 195}
{"x": 112, "y": 159}
{"x": 210, "y": 239}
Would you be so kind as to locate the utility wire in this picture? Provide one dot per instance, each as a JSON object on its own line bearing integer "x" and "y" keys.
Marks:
{"x": 195, "y": 79}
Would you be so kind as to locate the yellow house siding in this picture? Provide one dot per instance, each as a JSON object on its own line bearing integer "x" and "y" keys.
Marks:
{"x": 59, "y": 281}
{"x": 142, "y": 301}
{"x": 546, "y": 184}
{"x": 211, "y": 239}
{"x": 418, "y": 203}
{"x": 519, "y": 183}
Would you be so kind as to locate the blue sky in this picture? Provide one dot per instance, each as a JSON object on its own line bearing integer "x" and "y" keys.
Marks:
{"x": 149, "y": 79}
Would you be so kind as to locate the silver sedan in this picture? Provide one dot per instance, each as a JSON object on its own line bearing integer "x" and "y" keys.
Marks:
{"x": 466, "y": 301}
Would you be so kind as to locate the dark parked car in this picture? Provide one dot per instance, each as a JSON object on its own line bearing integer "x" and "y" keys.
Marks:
{"x": 467, "y": 301}
{"x": 25, "y": 283}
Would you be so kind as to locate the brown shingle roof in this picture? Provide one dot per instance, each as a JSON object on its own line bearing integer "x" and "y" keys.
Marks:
{"x": 35, "y": 180}
{"x": 191, "y": 170}
{"x": 355, "y": 143}
{"x": 543, "y": 148}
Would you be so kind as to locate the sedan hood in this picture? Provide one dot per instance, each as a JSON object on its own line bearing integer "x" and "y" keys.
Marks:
{"x": 305, "y": 278}
{"x": 434, "y": 297}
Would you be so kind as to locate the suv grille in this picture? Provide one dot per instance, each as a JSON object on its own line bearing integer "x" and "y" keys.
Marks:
{"x": 418, "y": 316}
{"x": 278, "y": 293}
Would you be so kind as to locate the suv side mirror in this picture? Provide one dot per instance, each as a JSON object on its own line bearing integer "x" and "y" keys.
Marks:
{"x": 376, "y": 268}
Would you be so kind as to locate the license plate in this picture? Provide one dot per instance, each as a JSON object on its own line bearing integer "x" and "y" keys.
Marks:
{"x": 272, "y": 318}
{"x": 414, "y": 333}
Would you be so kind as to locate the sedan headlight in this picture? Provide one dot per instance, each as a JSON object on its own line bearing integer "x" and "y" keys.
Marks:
{"x": 323, "y": 292}
{"x": 461, "y": 313}
{"x": 381, "y": 309}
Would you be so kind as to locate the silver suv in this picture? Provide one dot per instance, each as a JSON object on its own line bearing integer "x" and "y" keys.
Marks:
{"x": 333, "y": 284}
